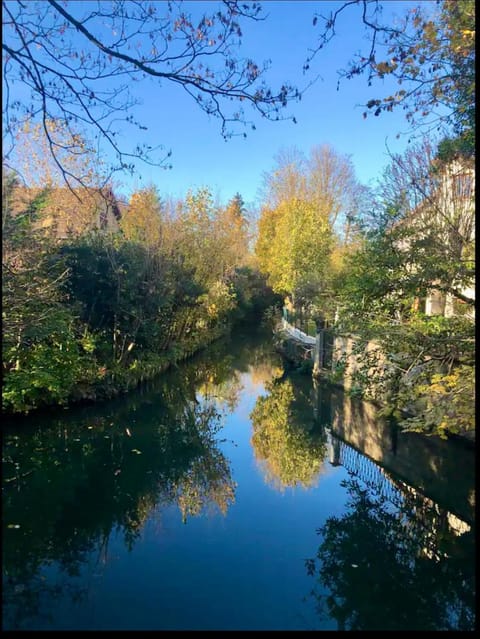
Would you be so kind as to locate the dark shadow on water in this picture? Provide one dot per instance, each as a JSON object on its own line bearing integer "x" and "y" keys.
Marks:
{"x": 401, "y": 556}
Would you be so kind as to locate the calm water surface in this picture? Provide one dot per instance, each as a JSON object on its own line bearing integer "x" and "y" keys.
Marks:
{"x": 229, "y": 494}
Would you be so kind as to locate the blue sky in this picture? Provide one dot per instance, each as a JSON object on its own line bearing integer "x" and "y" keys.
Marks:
{"x": 325, "y": 115}
{"x": 201, "y": 157}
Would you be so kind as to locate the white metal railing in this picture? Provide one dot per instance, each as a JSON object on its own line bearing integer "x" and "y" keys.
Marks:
{"x": 297, "y": 334}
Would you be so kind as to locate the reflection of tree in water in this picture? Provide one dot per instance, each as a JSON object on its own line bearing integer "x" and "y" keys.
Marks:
{"x": 264, "y": 372}
{"x": 218, "y": 370}
{"x": 196, "y": 488}
{"x": 27, "y": 595}
{"x": 70, "y": 479}
{"x": 285, "y": 438}
{"x": 225, "y": 394}
{"x": 66, "y": 487}
{"x": 376, "y": 572}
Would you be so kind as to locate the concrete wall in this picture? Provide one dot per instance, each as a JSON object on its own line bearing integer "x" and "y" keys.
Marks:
{"x": 348, "y": 351}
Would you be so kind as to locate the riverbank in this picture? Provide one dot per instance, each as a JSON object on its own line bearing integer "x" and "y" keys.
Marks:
{"x": 119, "y": 380}
{"x": 110, "y": 379}
{"x": 341, "y": 367}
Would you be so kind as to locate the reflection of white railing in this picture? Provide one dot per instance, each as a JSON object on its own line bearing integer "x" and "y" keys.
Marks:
{"x": 297, "y": 334}
{"x": 368, "y": 471}
{"x": 376, "y": 478}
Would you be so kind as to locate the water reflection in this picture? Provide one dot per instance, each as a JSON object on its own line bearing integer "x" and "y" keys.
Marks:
{"x": 385, "y": 568}
{"x": 396, "y": 559}
{"x": 69, "y": 482}
{"x": 441, "y": 470}
{"x": 82, "y": 487}
{"x": 288, "y": 442}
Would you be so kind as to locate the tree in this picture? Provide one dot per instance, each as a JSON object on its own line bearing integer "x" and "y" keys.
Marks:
{"x": 307, "y": 215}
{"x": 79, "y": 65}
{"x": 42, "y": 351}
{"x": 37, "y": 167}
{"x": 333, "y": 186}
{"x": 196, "y": 239}
{"x": 142, "y": 220}
{"x": 9, "y": 183}
{"x": 232, "y": 234}
{"x": 286, "y": 181}
{"x": 421, "y": 235}
{"x": 430, "y": 54}
{"x": 236, "y": 206}
{"x": 66, "y": 210}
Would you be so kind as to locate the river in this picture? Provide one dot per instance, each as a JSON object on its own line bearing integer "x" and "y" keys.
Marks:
{"x": 230, "y": 494}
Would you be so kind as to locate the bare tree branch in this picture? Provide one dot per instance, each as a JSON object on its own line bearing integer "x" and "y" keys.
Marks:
{"x": 79, "y": 63}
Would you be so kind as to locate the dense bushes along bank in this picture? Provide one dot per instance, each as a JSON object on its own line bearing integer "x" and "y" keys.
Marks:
{"x": 95, "y": 315}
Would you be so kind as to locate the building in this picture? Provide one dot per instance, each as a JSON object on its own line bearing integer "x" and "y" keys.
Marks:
{"x": 445, "y": 222}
